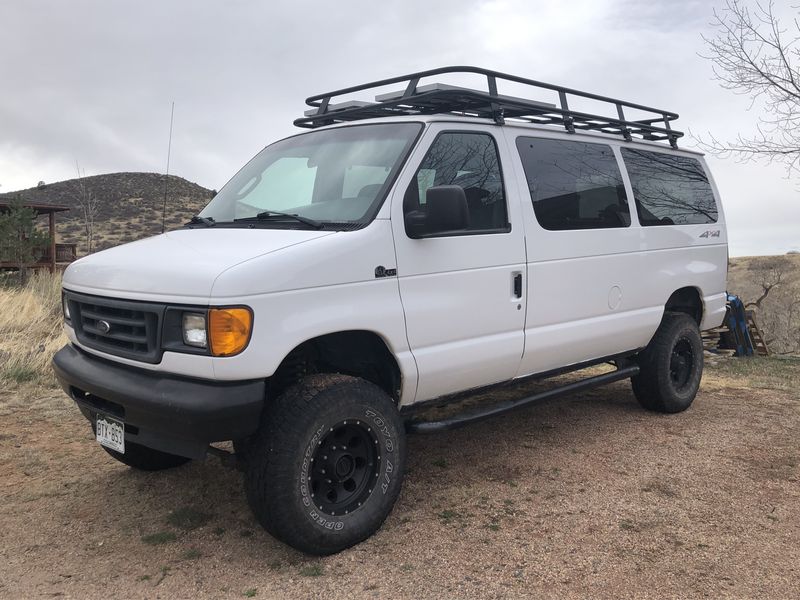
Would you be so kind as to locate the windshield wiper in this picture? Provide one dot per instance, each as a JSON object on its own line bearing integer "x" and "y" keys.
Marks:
{"x": 198, "y": 220}
{"x": 268, "y": 214}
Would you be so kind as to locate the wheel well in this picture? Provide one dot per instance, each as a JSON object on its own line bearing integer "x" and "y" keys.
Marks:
{"x": 358, "y": 353}
{"x": 686, "y": 300}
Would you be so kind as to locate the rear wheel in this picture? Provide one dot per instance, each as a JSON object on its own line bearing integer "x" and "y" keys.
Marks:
{"x": 671, "y": 366}
{"x": 326, "y": 466}
{"x": 147, "y": 459}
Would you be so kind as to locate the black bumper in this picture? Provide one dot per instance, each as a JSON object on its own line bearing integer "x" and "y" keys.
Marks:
{"x": 166, "y": 412}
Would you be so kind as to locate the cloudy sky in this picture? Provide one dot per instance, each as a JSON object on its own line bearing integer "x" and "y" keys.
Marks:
{"x": 92, "y": 80}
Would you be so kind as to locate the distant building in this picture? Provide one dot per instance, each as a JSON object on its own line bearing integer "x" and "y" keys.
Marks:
{"x": 55, "y": 255}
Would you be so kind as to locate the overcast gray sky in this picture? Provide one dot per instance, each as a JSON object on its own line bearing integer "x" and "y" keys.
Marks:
{"x": 92, "y": 80}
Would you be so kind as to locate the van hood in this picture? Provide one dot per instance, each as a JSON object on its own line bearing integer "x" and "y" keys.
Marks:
{"x": 177, "y": 266}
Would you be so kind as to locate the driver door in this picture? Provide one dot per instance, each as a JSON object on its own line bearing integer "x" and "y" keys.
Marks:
{"x": 462, "y": 291}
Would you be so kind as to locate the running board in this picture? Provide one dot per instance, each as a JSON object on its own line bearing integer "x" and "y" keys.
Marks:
{"x": 504, "y": 407}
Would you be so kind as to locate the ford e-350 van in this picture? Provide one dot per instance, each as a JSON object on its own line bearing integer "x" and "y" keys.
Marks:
{"x": 432, "y": 240}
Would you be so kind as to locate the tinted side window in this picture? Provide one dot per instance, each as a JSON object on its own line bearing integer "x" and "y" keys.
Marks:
{"x": 669, "y": 189}
{"x": 469, "y": 160}
{"x": 574, "y": 185}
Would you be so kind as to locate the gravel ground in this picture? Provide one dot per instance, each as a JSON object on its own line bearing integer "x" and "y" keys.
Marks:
{"x": 588, "y": 496}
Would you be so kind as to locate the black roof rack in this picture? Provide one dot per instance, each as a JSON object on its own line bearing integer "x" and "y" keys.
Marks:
{"x": 438, "y": 98}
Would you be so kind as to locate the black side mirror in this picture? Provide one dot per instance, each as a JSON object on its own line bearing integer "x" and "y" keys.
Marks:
{"x": 447, "y": 208}
{"x": 416, "y": 224}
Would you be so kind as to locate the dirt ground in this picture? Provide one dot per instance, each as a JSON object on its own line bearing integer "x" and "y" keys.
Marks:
{"x": 588, "y": 496}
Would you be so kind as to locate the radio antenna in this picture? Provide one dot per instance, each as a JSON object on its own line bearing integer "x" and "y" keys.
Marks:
{"x": 166, "y": 176}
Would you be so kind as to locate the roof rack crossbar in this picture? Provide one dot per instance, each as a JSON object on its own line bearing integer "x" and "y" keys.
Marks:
{"x": 443, "y": 99}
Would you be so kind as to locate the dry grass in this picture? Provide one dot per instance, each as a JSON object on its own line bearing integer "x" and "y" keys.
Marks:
{"x": 772, "y": 373}
{"x": 30, "y": 329}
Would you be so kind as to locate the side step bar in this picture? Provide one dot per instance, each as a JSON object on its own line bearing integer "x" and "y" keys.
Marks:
{"x": 504, "y": 407}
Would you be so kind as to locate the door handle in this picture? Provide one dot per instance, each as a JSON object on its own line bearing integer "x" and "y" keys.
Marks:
{"x": 517, "y": 280}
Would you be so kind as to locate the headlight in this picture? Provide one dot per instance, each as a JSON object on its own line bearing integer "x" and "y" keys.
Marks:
{"x": 229, "y": 330}
{"x": 65, "y": 307}
{"x": 194, "y": 330}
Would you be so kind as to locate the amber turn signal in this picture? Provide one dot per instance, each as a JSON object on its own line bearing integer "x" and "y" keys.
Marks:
{"x": 229, "y": 330}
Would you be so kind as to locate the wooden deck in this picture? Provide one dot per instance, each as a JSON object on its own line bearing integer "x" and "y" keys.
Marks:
{"x": 65, "y": 254}
{"x": 54, "y": 256}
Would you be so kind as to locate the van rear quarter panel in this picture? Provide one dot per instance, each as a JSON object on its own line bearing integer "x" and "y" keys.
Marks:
{"x": 599, "y": 292}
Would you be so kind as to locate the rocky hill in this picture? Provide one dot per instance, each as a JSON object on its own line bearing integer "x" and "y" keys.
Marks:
{"x": 129, "y": 205}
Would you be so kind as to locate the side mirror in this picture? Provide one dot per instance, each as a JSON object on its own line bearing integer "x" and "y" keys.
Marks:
{"x": 447, "y": 209}
{"x": 416, "y": 224}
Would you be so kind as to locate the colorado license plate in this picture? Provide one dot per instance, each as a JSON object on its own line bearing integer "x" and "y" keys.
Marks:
{"x": 111, "y": 433}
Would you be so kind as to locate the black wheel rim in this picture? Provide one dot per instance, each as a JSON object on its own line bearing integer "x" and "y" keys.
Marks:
{"x": 344, "y": 468}
{"x": 681, "y": 364}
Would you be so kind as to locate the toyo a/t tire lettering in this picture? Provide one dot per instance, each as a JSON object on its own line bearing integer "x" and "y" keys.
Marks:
{"x": 327, "y": 464}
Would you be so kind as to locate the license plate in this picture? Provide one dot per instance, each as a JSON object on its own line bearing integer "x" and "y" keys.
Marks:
{"x": 111, "y": 433}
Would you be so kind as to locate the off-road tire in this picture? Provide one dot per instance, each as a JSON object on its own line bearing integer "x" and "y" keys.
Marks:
{"x": 670, "y": 366}
{"x": 335, "y": 423}
{"x": 241, "y": 449}
{"x": 147, "y": 459}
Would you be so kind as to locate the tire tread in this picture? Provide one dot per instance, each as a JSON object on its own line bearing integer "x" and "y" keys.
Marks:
{"x": 270, "y": 454}
{"x": 651, "y": 386}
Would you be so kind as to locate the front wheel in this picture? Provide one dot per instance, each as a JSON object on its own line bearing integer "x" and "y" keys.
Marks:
{"x": 326, "y": 466}
{"x": 671, "y": 366}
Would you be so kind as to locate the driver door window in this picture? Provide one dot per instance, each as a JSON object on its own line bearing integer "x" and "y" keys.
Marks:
{"x": 468, "y": 160}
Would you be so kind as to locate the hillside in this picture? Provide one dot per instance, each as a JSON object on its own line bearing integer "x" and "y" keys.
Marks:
{"x": 779, "y": 313}
{"x": 130, "y": 206}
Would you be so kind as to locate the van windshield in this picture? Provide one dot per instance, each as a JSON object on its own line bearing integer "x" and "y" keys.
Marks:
{"x": 335, "y": 178}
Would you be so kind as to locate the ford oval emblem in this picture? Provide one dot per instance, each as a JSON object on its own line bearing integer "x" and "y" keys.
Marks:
{"x": 103, "y": 326}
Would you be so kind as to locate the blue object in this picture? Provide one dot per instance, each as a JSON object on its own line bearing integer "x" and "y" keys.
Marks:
{"x": 737, "y": 323}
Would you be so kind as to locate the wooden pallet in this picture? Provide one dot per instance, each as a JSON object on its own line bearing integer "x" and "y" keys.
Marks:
{"x": 712, "y": 342}
{"x": 759, "y": 343}
{"x": 714, "y": 339}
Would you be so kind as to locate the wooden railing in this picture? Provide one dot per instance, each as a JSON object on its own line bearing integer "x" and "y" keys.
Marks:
{"x": 65, "y": 253}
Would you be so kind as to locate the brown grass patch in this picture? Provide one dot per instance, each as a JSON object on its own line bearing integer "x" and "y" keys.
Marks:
{"x": 31, "y": 329}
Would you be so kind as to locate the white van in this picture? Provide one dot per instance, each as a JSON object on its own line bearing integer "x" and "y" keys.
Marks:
{"x": 433, "y": 240}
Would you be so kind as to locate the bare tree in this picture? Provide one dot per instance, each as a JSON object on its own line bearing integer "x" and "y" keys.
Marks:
{"x": 776, "y": 301}
{"x": 89, "y": 205}
{"x": 772, "y": 271}
{"x": 754, "y": 54}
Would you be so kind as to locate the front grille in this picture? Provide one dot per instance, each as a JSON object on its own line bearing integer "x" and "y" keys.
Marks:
{"x": 125, "y": 328}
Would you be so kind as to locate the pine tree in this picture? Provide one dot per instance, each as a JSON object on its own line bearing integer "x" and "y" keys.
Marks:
{"x": 20, "y": 241}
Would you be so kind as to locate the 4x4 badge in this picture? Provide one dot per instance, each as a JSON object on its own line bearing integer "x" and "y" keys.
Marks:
{"x": 381, "y": 271}
{"x": 710, "y": 233}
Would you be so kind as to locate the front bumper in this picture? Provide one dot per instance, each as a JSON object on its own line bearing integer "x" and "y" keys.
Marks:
{"x": 166, "y": 412}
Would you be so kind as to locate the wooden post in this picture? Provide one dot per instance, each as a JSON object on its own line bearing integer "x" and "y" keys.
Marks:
{"x": 52, "y": 220}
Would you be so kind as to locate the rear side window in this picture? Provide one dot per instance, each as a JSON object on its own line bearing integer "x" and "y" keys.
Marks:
{"x": 669, "y": 189}
{"x": 469, "y": 160}
{"x": 574, "y": 185}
